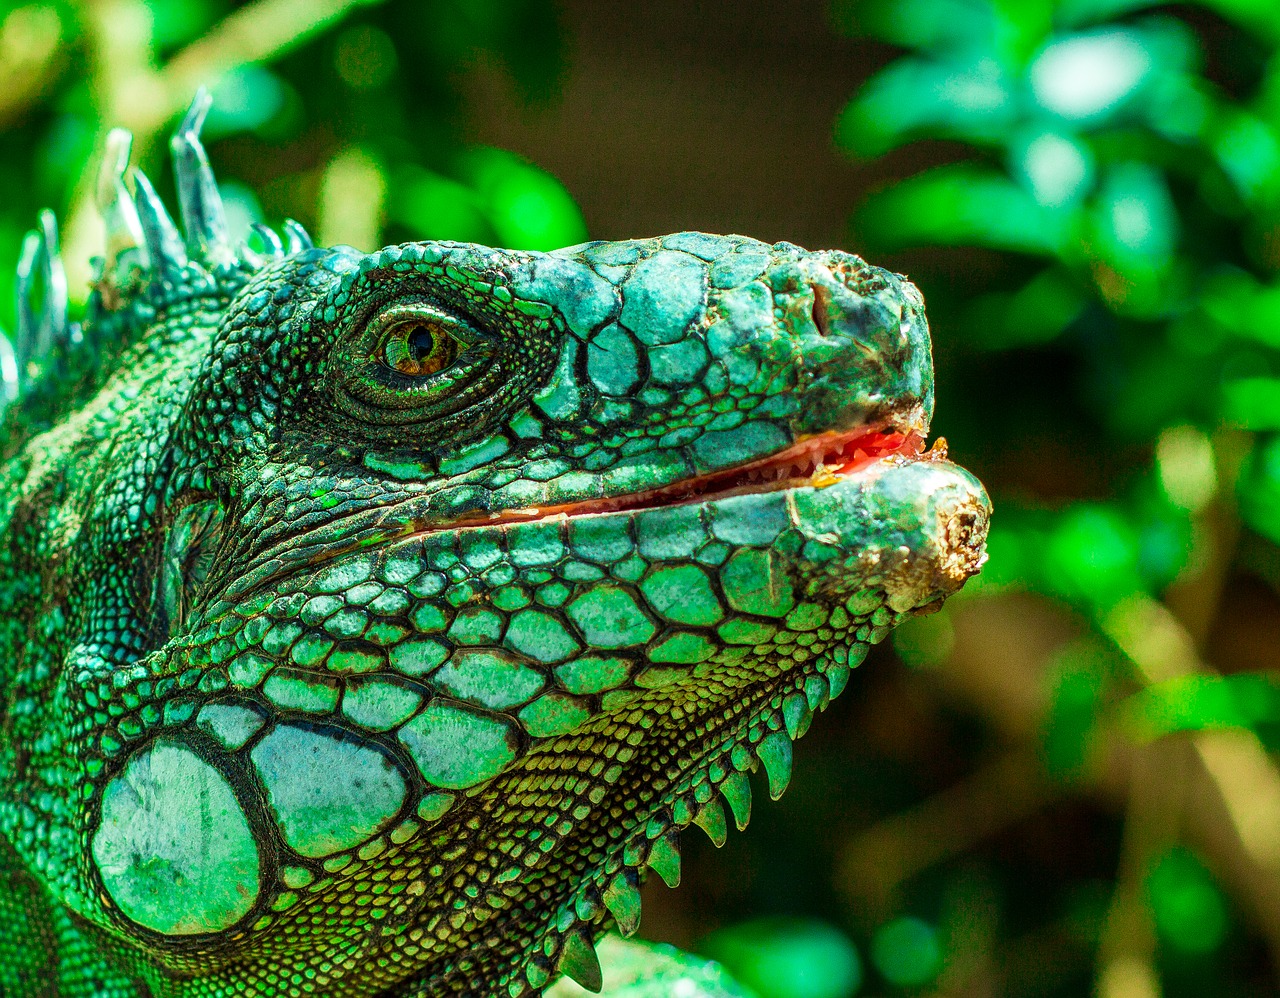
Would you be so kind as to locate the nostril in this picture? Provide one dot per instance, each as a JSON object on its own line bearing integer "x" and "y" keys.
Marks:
{"x": 822, "y": 308}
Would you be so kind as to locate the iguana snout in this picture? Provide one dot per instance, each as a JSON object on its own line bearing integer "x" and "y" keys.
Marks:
{"x": 866, "y": 353}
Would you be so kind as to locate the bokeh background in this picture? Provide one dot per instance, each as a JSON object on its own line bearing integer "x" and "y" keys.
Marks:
{"x": 1063, "y": 784}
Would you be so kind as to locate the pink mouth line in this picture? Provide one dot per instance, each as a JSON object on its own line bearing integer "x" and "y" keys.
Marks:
{"x": 817, "y": 461}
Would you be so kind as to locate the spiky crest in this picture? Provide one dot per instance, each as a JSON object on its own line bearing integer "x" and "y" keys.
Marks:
{"x": 148, "y": 266}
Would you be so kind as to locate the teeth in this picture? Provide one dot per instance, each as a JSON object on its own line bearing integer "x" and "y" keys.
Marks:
{"x": 774, "y": 751}
{"x": 622, "y": 898}
{"x": 578, "y": 960}
{"x": 664, "y": 859}
{"x": 711, "y": 820}
{"x": 737, "y": 791}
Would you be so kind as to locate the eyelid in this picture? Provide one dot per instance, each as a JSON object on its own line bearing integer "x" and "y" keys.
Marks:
{"x": 375, "y": 392}
{"x": 398, "y": 315}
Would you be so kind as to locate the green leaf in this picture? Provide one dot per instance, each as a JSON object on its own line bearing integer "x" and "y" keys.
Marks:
{"x": 968, "y": 100}
{"x": 1190, "y": 911}
{"x": 965, "y": 204}
{"x": 907, "y": 952}
{"x": 1259, "y": 488}
{"x": 1252, "y": 403}
{"x": 1092, "y": 555}
{"x": 1080, "y": 679}
{"x": 788, "y": 958}
{"x": 434, "y": 207}
{"x": 1248, "y": 149}
{"x": 1035, "y": 314}
{"x": 1197, "y": 703}
{"x": 1135, "y": 223}
{"x": 920, "y": 24}
{"x": 527, "y": 207}
{"x": 174, "y": 22}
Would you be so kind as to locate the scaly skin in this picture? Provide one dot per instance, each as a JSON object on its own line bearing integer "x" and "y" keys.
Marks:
{"x": 350, "y": 650}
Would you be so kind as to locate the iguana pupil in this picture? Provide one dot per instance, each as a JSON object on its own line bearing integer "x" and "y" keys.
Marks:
{"x": 421, "y": 343}
{"x": 373, "y": 622}
{"x": 424, "y": 351}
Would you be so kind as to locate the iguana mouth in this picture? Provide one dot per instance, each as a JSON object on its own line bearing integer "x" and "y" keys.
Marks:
{"x": 814, "y": 462}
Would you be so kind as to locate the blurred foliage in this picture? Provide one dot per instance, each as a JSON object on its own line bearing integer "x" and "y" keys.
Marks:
{"x": 343, "y": 113}
{"x": 788, "y": 958}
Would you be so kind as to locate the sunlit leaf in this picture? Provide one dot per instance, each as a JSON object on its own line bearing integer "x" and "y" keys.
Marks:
{"x": 959, "y": 204}
{"x": 244, "y": 98}
{"x": 1195, "y": 703}
{"x": 1087, "y": 75}
{"x": 966, "y": 100}
{"x": 1056, "y": 168}
{"x": 352, "y": 200}
{"x": 1135, "y": 221}
{"x": 527, "y": 207}
{"x": 788, "y": 958}
{"x": 240, "y": 203}
{"x": 1186, "y": 467}
{"x": 1190, "y": 912}
{"x": 907, "y": 952}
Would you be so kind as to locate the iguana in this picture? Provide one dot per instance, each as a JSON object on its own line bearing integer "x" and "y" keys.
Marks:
{"x": 372, "y": 622}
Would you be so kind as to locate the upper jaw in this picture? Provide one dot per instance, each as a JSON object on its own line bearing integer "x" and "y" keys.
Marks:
{"x": 814, "y": 460}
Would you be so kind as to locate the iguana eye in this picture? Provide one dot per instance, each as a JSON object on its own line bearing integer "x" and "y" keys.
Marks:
{"x": 413, "y": 360}
{"x": 418, "y": 348}
{"x": 418, "y": 342}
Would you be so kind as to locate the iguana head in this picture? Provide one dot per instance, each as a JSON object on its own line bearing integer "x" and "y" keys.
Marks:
{"x": 420, "y": 598}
